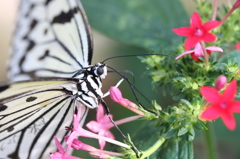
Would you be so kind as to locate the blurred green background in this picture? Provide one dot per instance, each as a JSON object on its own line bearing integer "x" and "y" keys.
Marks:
{"x": 228, "y": 144}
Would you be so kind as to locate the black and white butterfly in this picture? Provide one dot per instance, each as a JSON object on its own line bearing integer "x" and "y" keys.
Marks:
{"x": 52, "y": 40}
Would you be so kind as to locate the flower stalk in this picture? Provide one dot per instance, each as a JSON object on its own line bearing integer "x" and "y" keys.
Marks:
{"x": 152, "y": 149}
{"x": 205, "y": 55}
{"x": 210, "y": 142}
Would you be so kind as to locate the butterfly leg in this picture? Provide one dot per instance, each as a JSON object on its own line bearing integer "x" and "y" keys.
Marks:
{"x": 116, "y": 85}
{"x": 109, "y": 115}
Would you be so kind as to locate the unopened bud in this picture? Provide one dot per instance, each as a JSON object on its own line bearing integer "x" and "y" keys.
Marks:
{"x": 221, "y": 82}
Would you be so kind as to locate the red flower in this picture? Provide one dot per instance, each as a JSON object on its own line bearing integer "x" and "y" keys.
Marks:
{"x": 198, "y": 31}
{"x": 238, "y": 46}
{"x": 222, "y": 105}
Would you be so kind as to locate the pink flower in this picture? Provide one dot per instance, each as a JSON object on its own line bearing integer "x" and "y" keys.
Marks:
{"x": 221, "y": 82}
{"x": 116, "y": 96}
{"x": 101, "y": 126}
{"x": 61, "y": 154}
{"x": 197, "y": 31}
{"x": 222, "y": 105}
{"x": 198, "y": 51}
{"x": 238, "y": 46}
{"x": 78, "y": 145}
{"x": 79, "y": 131}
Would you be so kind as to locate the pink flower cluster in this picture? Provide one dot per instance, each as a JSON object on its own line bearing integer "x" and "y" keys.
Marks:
{"x": 100, "y": 126}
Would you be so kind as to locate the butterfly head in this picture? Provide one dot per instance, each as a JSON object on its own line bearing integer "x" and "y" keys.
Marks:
{"x": 100, "y": 70}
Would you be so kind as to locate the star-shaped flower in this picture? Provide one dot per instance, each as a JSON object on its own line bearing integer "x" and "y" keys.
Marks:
{"x": 198, "y": 52}
{"x": 197, "y": 31}
{"x": 101, "y": 126}
{"x": 222, "y": 105}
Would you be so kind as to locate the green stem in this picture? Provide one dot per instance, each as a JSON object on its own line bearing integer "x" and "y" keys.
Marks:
{"x": 210, "y": 142}
{"x": 152, "y": 149}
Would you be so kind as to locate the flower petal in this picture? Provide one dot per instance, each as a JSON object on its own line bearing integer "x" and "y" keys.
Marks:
{"x": 102, "y": 143}
{"x": 195, "y": 57}
{"x": 229, "y": 121}
{"x": 211, "y": 25}
{"x": 238, "y": 46}
{"x": 100, "y": 112}
{"x": 210, "y": 94}
{"x": 235, "y": 107}
{"x": 195, "y": 20}
{"x": 105, "y": 120}
{"x": 93, "y": 126}
{"x": 214, "y": 48}
{"x": 210, "y": 113}
{"x": 198, "y": 51}
{"x": 209, "y": 37}
{"x": 185, "y": 53}
{"x": 190, "y": 42}
{"x": 59, "y": 146}
{"x": 230, "y": 91}
{"x": 183, "y": 31}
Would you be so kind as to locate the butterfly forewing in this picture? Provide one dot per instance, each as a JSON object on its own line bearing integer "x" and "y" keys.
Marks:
{"x": 52, "y": 38}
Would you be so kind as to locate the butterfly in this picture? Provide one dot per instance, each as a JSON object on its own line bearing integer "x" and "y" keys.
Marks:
{"x": 50, "y": 65}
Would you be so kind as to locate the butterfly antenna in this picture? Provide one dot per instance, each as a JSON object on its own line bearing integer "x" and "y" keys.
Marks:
{"x": 134, "y": 55}
{"x": 109, "y": 116}
{"x": 133, "y": 88}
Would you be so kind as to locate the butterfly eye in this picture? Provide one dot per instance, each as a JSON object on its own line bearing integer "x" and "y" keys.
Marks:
{"x": 100, "y": 71}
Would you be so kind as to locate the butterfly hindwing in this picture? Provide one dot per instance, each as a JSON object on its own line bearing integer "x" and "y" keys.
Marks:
{"x": 27, "y": 130}
{"x": 52, "y": 39}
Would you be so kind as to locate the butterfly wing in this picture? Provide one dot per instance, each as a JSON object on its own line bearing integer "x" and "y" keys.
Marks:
{"x": 31, "y": 113}
{"x": 52, "y": 39}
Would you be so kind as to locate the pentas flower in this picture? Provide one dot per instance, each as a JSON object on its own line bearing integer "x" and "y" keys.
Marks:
{"x": 222, "y": 105}
{"x": 101, "y": 126}
{"x": 238, "y": 46}
{"x": 116, "y": 96}
{"x": 61, "y": 154}
{"x": 197, "y": 31}
{"x": 198, "y": 51}
{"x": 77, "y": 131}
{"x": 78, "y": 145}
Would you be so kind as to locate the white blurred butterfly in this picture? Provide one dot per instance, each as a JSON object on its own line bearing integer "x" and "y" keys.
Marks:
{"x": 52, "y": 40}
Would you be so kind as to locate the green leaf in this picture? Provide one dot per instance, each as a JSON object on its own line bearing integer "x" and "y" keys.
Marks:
{"x": 187, "y": 103}
{"x": 182, "y": 131}
{"x": 232, "y": 56}
{"x": 142, "y": 23}
{"x": 170, "y": 133}
{"x": 176, "y": 149}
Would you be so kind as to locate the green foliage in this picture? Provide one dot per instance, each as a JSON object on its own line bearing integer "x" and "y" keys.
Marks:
{"x": 140, "y": 23}
{"x": 148, "y": 25}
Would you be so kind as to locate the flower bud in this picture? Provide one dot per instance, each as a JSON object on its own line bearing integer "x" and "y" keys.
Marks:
{"x": 221, "y": 82}
{"x": 115, "y": 94}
